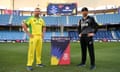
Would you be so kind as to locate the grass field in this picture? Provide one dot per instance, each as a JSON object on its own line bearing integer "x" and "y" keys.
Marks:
{"x": 13, "y": 57}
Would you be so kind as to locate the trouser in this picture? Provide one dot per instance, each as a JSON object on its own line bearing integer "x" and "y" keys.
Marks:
{"x": 35, "y": 46}
{"x": 87, "y": 42}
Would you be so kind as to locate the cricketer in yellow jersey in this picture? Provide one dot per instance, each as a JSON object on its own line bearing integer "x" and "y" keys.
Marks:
{"x": 36, "y": 26}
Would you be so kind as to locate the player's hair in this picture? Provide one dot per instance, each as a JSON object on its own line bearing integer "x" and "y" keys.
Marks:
{"x": 37, "y": 8}
{"x": 84, "y": 9}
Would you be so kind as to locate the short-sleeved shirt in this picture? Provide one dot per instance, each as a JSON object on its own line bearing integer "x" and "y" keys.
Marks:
{"x": 35, "y": 25}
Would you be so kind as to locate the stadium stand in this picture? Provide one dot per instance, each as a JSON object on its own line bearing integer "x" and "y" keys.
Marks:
{"x": 73, "y": 20}
{"x": 15, "y": 35}
{"x": 108, "y": 18}
{"x": 117, "y": 33}
{"x": 4, "y": 19}
{"x": 16, "y": 21}
{"x": 73, "y": 35}
{"x": 99, "y": 35}
{"x": 50, "y": 20}
{"x": 57, "y": 20}
{"x": 103, "y": 35}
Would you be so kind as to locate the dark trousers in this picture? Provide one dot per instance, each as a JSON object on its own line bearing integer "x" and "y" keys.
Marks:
{"x": 87, "y": 42}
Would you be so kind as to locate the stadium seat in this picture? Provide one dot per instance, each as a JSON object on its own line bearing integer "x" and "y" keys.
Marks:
{"x": 15, "y": 35}
{"x": 108, "y": 18}
{"x": 64, "y": 20}
{"x": 17, "y": 20}
{"x": 4, "y": 19}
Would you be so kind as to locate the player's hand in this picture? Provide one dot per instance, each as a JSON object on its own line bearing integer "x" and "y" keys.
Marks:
{"x": 91, "y": 34}
{"x": 80, "y": 35}
{"x": 30, "y": 35}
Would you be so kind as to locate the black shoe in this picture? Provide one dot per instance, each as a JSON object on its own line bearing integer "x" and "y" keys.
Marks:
{"x": 40, "y": 65}
{"x": 92, "y": 67}
{"x": 29, "y": 68}
{"x": 81, "y": 65}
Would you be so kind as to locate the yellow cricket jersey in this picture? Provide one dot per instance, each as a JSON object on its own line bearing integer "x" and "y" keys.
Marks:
{"x": 35, "y": 25}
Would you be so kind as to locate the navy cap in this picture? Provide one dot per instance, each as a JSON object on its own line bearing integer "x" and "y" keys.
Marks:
{"x": 84, "y": 9}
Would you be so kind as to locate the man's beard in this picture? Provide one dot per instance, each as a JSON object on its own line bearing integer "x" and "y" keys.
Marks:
{"x": 84, "y": 15}
{"x": 37, "y": 15}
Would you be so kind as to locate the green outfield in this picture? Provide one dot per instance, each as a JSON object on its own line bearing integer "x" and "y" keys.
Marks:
{"x": 13, "y": 57}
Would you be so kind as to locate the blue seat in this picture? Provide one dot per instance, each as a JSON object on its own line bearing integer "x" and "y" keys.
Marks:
{"x": 4, "y": 19}
{"x": 108, "y": 18}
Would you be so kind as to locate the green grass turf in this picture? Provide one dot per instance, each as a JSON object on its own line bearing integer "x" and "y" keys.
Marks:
{"x": 13, "y": 58}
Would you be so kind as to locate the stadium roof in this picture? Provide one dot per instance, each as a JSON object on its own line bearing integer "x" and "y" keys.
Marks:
{"x": 31, "y": 4}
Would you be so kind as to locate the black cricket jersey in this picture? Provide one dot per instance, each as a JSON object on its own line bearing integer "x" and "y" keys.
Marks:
{"x": 87, "y": 25}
